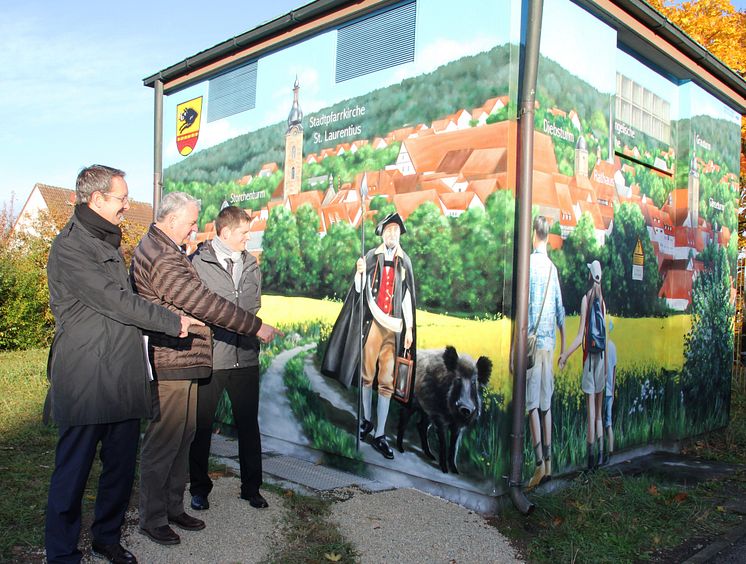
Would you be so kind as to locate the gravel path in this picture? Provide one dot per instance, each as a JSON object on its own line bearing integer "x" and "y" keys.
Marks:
{"x": 235, "y": 531}
{"x": 410, "y": 526}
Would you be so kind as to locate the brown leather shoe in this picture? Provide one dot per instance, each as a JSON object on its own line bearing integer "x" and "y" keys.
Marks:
{"x": 161, "y": 535}
{"x": 187, "y": 522}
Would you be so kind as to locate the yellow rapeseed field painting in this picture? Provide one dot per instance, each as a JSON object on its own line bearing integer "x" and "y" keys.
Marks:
{"x": 649, "y": 342}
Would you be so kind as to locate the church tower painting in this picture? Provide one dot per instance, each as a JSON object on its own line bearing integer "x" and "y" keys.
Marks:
{"x": 693, "y": 217}
{"x": 293, "y": 147}
{"x": 581, "y": 157}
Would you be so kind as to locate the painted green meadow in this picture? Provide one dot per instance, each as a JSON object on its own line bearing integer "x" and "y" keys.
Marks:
{"x": 649, "y": 402}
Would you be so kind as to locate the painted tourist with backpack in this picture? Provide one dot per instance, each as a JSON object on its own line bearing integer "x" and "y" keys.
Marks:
{"x": 592, "y": 336}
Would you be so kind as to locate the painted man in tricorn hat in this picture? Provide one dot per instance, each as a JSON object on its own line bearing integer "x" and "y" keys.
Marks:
{"x": 385, "y": 278}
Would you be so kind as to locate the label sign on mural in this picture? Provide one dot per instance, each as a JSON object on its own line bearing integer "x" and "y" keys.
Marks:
{"x": 638, "y": 261}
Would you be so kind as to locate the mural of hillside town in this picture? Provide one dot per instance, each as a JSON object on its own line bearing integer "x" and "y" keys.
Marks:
{"x": 629, "y": 169}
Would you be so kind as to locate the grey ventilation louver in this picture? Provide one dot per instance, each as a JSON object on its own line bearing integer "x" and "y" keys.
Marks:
{"x": 379, "y": 41}
{"x": 232, "y": 92}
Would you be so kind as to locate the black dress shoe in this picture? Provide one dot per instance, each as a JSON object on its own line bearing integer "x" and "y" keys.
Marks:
{"x": 380, "y": 444}
{"x": 161, "y": 535}
{"x": 115, "y": 553}
{"x": 365, "y": 428}
{"x": 187, "y": 522}
{"x": 256, "y": 500}
{"x": 200, "y": 503}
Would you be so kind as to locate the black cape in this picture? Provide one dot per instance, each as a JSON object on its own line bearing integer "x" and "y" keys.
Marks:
{"x": 342, "y": 357}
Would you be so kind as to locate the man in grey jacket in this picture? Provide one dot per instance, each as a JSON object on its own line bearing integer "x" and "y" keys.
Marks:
{"x": 98, "y": 378}
{"x": 230, "y": 271}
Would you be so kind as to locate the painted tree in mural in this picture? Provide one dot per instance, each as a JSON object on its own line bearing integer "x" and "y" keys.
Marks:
{"x": 282, "y": 266}
{"x": 579, "y": 249}
{"x": 473, "y": 236}
{"x": 307, "y": 221}
{"x": 340, "y": 249}
{"x": 501, "y": 215}
{"x": 705, "y": 379}
{"x": 625, "y": 296}
{"x": 431, "y": 249}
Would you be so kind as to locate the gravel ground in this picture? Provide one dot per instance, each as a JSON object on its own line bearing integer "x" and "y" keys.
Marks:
{"x": 410, "y": 526}
{"x": 235, "y": 531}
{"x": 401, "y": 525}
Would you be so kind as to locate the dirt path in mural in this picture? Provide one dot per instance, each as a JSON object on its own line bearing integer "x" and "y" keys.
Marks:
{"x": 276, "y": 419}
{"x": 412, "y": 461}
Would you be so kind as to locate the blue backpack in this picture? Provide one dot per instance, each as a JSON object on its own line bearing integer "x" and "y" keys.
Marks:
{"x": 595, "y": 331}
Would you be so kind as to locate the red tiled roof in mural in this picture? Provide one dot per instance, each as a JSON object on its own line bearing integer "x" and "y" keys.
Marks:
{"x": 458, "y": 200}
{"x": 401, "y": 134}
{"x": 436, "y": 184}
{"x": 453, "y": 161}
{"x": 485, "y": 161}
{"x": 483, "y": 188}
{"x": 689, "y": 237}
{"x": 407, "y": 203}
{"x": 407, "y": 183}
{"x": 724, "y": 236}
{"x": 544, "y": 192}
{"x": 380, "y": 182}
{"x": 677, "y": 205}
{"x": 554, "y": 241}
{"x": 592, "y": 209}
{"x": 335, "y": 213}
{"x": 258, "y": 225}
{"x": 427, "y": 152}
{"x": 545, "y": 159}
{"x": 677, "y": 285}
{"x": 311, "y": 197}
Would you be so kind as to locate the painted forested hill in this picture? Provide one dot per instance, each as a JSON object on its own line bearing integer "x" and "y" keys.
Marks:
{"x": 465, "y": 83}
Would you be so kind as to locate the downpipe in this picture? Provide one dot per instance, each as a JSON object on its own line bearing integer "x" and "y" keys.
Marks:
{"x": 528, "y": 70}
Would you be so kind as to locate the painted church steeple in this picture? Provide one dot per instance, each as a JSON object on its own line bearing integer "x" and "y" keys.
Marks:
{"x": 294, "y": 147}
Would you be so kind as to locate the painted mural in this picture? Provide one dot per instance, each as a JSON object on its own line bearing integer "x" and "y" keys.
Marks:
{"x": 412, "y": 168}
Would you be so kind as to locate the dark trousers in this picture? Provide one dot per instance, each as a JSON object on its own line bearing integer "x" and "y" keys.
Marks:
{"x": 242, "y": 385}
{"x": 76, "y": 449}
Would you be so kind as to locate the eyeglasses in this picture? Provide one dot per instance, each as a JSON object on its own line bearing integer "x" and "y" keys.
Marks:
{"x": 123, "y": 199}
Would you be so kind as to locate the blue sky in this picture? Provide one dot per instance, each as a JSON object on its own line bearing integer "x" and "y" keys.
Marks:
{"x": 71, "y": 85}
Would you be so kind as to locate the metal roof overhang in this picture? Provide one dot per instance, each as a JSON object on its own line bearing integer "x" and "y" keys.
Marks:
{"x": 639, "y": 27}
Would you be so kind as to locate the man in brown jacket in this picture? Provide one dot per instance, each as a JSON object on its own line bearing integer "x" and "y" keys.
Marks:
{"x": 163, "y": 274}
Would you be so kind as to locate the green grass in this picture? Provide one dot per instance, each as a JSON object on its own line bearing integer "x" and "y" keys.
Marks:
{"x": 605, "y": 517}
{"x": 307, "y": 409}
{"x": 26, "y": 452}
{"x": 608, "y": 517}
{"x": 308, "y": 536}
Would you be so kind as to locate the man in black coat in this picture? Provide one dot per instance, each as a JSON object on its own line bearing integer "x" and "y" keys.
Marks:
{"x": 385, "y": 280}
{"x": 99, "y": 386}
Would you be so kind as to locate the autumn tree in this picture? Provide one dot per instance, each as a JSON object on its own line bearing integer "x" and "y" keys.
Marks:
{"x": 719, "y": 28}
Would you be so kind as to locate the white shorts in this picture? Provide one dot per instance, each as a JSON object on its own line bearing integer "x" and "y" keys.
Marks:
{"x": 594, "y": 376}
{"x": 540, "y": 382}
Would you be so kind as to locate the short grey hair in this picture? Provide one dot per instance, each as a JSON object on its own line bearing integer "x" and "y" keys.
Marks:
{"x": 94, "y": 178}
{"x": 541, "y": 227}
{"x": 174, "y": 202}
